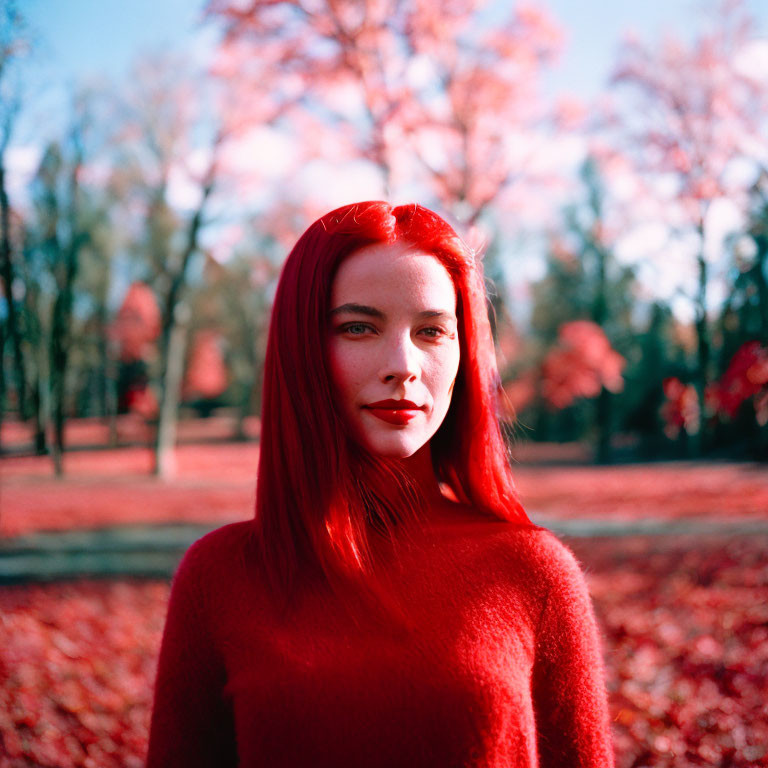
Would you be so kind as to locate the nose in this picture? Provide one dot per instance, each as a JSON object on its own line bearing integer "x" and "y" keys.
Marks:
{"x": 400, "y": 361}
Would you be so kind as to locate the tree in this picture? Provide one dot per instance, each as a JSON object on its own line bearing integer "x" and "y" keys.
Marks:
{"x": 698, "y": 111}
{"x": 12, "y": 46}
{"x": 233, "y": 296}
{"x": 134, "y": 332}
{"x": 440, "y": 98}
{"x": 584, "y": 284}
{"x": 430, "y": 94}
{"x": 206, "y": 376}
{"x": 581, "y": 365}
{"x": 165, "y": 133}
{"x": 62, "y": 234}
{"x": 748, "y": 297}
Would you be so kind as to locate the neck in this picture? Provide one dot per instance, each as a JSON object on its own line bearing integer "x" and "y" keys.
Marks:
{"x": 419, "y": 467}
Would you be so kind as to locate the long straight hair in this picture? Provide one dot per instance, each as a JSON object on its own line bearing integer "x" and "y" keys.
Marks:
{"x": 320, "y": 497}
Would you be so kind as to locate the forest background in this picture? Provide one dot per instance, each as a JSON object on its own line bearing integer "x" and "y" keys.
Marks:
{"x": 145, "y": 213}
{"x": 624, "y": 237}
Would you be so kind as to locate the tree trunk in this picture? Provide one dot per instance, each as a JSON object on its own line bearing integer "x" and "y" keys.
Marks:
{"x": 60, "y": 342}
{"x": 603, "y": 419}
{"x": 61, "y": 332}
{"x": 761, "y": 242}
{"x": 172, "y": 343}
{"x": 111, "y": 404}
{"x": 2, "y": 382}
{"x": 600, "y": 316}
{"x": 41, "y": 413}
{"x": 107, "y": 377}
{"x": 165, "y": 442}
{"x": 6, "y": 273}
{"x": 698, "y": 441}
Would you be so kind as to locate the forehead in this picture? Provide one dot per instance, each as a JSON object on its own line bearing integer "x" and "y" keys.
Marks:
{"x": 384, "y": 274}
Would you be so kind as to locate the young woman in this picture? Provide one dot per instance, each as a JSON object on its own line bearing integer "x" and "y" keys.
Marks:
{"x": 390, "y": 604}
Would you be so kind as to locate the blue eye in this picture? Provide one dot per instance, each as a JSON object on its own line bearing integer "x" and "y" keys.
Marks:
{"x": 355, "y": 329}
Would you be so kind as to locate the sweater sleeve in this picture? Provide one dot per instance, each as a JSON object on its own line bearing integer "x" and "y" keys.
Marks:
{"x": 568, "y": 684}
{"x": 191, "y": 724}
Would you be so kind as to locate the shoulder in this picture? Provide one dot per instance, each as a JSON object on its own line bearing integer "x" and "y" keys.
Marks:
{"x": 527, "y": 555}
{"x": 552, "y": 560}
{"x": 215, "y": 555}
{"x": 566, "y": 608}
{"x": 542, "y": 553}
{"x": 536, "y": 559}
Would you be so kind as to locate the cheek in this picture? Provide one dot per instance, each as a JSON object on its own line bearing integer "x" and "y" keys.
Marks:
{"x": 445, "y": 370}
{"x": 344, "y": 368}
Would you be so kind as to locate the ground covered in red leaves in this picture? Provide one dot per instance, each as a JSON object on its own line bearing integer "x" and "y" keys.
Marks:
{"x": 686, "y": 640}
{"x": 215, "y": 483}
{"x": 686, "y": 626}
{"x": 685, "y": 618}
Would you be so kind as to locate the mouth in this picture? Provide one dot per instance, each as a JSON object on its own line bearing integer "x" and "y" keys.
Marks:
{"x": 398, "y": 412}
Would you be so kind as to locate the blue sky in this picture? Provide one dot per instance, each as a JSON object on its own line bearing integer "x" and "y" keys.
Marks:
{"x": 83, "y": 37}
{"x": 82, "y": 40}
{"x": 78, "y": 40}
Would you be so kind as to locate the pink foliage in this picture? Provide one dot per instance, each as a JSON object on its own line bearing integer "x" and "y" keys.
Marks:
{"x": 680, "y": 410}
{"x": 137, "y": 324}
{"x": 206, "y": 375}
{"x": 698, "y": 109}
{"x": 425, "y": 91}
{"x": 582, "y": 363}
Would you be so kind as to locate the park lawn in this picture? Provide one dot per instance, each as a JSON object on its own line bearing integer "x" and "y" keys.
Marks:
{"x": 684, "y": 620}
{"x": 215, "y": 483}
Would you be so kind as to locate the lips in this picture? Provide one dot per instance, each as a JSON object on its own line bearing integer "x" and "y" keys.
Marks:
{"x": 398, "y": 412}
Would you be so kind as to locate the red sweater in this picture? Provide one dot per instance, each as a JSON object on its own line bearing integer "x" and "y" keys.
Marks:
{"x": 501, "y": 666}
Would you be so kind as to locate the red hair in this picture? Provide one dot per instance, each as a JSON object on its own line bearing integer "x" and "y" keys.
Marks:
{"x": 317, "y": 499}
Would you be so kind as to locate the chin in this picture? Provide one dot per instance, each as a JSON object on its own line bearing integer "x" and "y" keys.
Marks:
{"x": 398, "y": 448}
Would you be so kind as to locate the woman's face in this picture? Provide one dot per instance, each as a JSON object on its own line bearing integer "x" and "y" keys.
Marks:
{"x": 393, "y": 346}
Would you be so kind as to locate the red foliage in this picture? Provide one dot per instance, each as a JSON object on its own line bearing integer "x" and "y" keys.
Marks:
{"x": 104, "y": 488}
{"x": 76, "y": 673}
{"x": 581, "y": 365}
{"x": 142, "y": 401}
{"x": 137, "y": 324}
{"x": 686, "y": 628}
{"x": 669, "y": 491}
{"x": 206, "y": 375}
{"x": 685, "y": 623}
{"x": 681, "y": 410}
{"x": 745, "y": 378}
{"x": 517, "y": 395}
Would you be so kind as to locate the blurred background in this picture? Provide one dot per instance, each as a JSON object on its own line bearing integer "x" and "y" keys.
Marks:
{"x": 610, "y": 162}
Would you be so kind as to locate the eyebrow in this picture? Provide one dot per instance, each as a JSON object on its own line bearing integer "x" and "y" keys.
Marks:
{"x": 363, "y": 309}
{"x": 357, "y": 309}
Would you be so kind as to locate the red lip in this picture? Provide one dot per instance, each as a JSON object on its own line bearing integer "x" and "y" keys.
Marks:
{"x": 398, "y": 412}
{"x": 395, "y": 405}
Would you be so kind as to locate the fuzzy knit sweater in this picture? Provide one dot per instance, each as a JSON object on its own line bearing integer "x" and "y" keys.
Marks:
{"x": 500, "y": 664}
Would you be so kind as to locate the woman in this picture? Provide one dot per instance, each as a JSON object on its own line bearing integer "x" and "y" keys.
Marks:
{"x": 390, "y": 604}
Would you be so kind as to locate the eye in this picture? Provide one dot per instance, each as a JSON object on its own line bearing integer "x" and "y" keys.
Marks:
{"x": 355, "y": 329}
{"x": 433, "y": 332}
